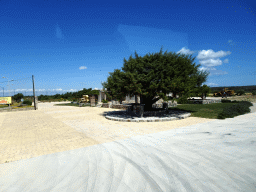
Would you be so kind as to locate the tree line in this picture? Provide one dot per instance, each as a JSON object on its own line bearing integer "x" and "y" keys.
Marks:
{"x": 68, "y": 95}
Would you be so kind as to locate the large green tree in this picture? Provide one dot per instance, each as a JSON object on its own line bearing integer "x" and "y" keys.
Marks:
{"x": 115, "y": 86}
{"x": 201, "y": 90}
{"x": 18, "y": 97}
{"x": 155, "y": 75}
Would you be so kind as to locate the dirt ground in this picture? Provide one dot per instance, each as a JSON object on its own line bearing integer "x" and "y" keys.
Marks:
{"x": 51, "y": 129}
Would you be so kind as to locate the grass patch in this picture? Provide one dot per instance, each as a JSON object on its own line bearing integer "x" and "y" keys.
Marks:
{"x": 23, "y": 107}
{"x": 15, "y": 106}
{"x": 209, "y": 111}
{"x": 3, "y": 106}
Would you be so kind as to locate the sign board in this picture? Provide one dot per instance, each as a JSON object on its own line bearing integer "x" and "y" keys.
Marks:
{"x": 5, "y": 100}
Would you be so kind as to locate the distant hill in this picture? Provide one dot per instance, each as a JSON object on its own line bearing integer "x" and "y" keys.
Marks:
{"x": 248, "y": 88}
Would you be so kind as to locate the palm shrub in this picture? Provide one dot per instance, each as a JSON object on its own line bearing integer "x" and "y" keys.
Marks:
{"x": 104, "y": 101}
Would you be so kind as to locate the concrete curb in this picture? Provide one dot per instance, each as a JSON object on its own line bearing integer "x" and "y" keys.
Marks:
{"x": 21, "y": 109}
{"x": 148, "y": 119}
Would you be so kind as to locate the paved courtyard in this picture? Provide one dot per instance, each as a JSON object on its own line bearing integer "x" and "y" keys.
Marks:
{"x": 51, "y": 129}
{"x": 58, "y": 152}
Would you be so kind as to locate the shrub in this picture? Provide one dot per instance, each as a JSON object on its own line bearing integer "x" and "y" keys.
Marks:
{"x": 225, "y": 101}
{"x": 228, "y": 101}
{"x": 240, "y": 92}
{"x": 27, "y": 102}
{"x": 43, "y": 97}
{"x": 254, "y": 92}
{"x": 190, "y": 102}
{"x": 246, "y": 103}
{"x": 104, "y": 101}
{"x": 235, "y": 110}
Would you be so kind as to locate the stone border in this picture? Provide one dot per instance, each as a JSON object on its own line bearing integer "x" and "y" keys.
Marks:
{"x": 148, "y": 119}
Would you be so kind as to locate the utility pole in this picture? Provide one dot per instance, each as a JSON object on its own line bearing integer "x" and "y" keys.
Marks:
{"x": 3, "y": 91}
{"x": 34, "y": 92}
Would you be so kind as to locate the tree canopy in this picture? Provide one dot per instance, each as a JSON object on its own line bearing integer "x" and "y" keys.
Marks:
{"x": 155, "y": 75}
{"x": 18, "y": 97}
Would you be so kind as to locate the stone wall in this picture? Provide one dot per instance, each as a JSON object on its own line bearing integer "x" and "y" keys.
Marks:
{"x": 121, "y": 106}
{"x": 105, "y": 105}
{"x": 194, "y": 101}
{"x": 160, "y": 105}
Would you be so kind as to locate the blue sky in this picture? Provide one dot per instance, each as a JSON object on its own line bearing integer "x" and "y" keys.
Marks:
{"x": 71, "y": 45}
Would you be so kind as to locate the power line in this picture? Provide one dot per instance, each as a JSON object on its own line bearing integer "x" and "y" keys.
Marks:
{"x": 15, "y": 80}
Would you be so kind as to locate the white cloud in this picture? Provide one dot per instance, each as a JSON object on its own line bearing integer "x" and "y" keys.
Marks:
{"x": 210, "y": 54}
{"x": 217, "y": 72}
{"x": 204, "y": 69}
{"x": 225, "y": 61}
{"x": 39, "y": 89}
{"x": 209, "y": 59}
{"x": 212, "y": 84}
{"x": 185, "y": 51}
{"x": 72, "y": 90}
{"x": 211, "y": 62}
{"x": 213, "y": 71}
{"x": 82, "y": 67}
{"x": 17, "y": 90}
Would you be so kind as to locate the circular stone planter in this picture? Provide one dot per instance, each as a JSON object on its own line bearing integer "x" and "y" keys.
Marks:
{"x": 124, "y": 116}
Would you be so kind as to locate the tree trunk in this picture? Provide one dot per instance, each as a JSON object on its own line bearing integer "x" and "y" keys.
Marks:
{"x": 148, "y": 101}
{"x": 174, "y": 95}
{"x": 136, "y": 99}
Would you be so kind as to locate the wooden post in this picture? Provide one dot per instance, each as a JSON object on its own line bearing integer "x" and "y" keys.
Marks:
{"x": 34, "y": 92}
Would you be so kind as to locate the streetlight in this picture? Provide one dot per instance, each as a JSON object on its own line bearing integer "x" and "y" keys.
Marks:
{"x": 8, "y": 84}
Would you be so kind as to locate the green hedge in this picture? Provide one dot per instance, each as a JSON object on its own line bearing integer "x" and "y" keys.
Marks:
{"x": 228, "y": 101}
{"x": 240, "y": 108}
{"x": 27, "y": 102}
